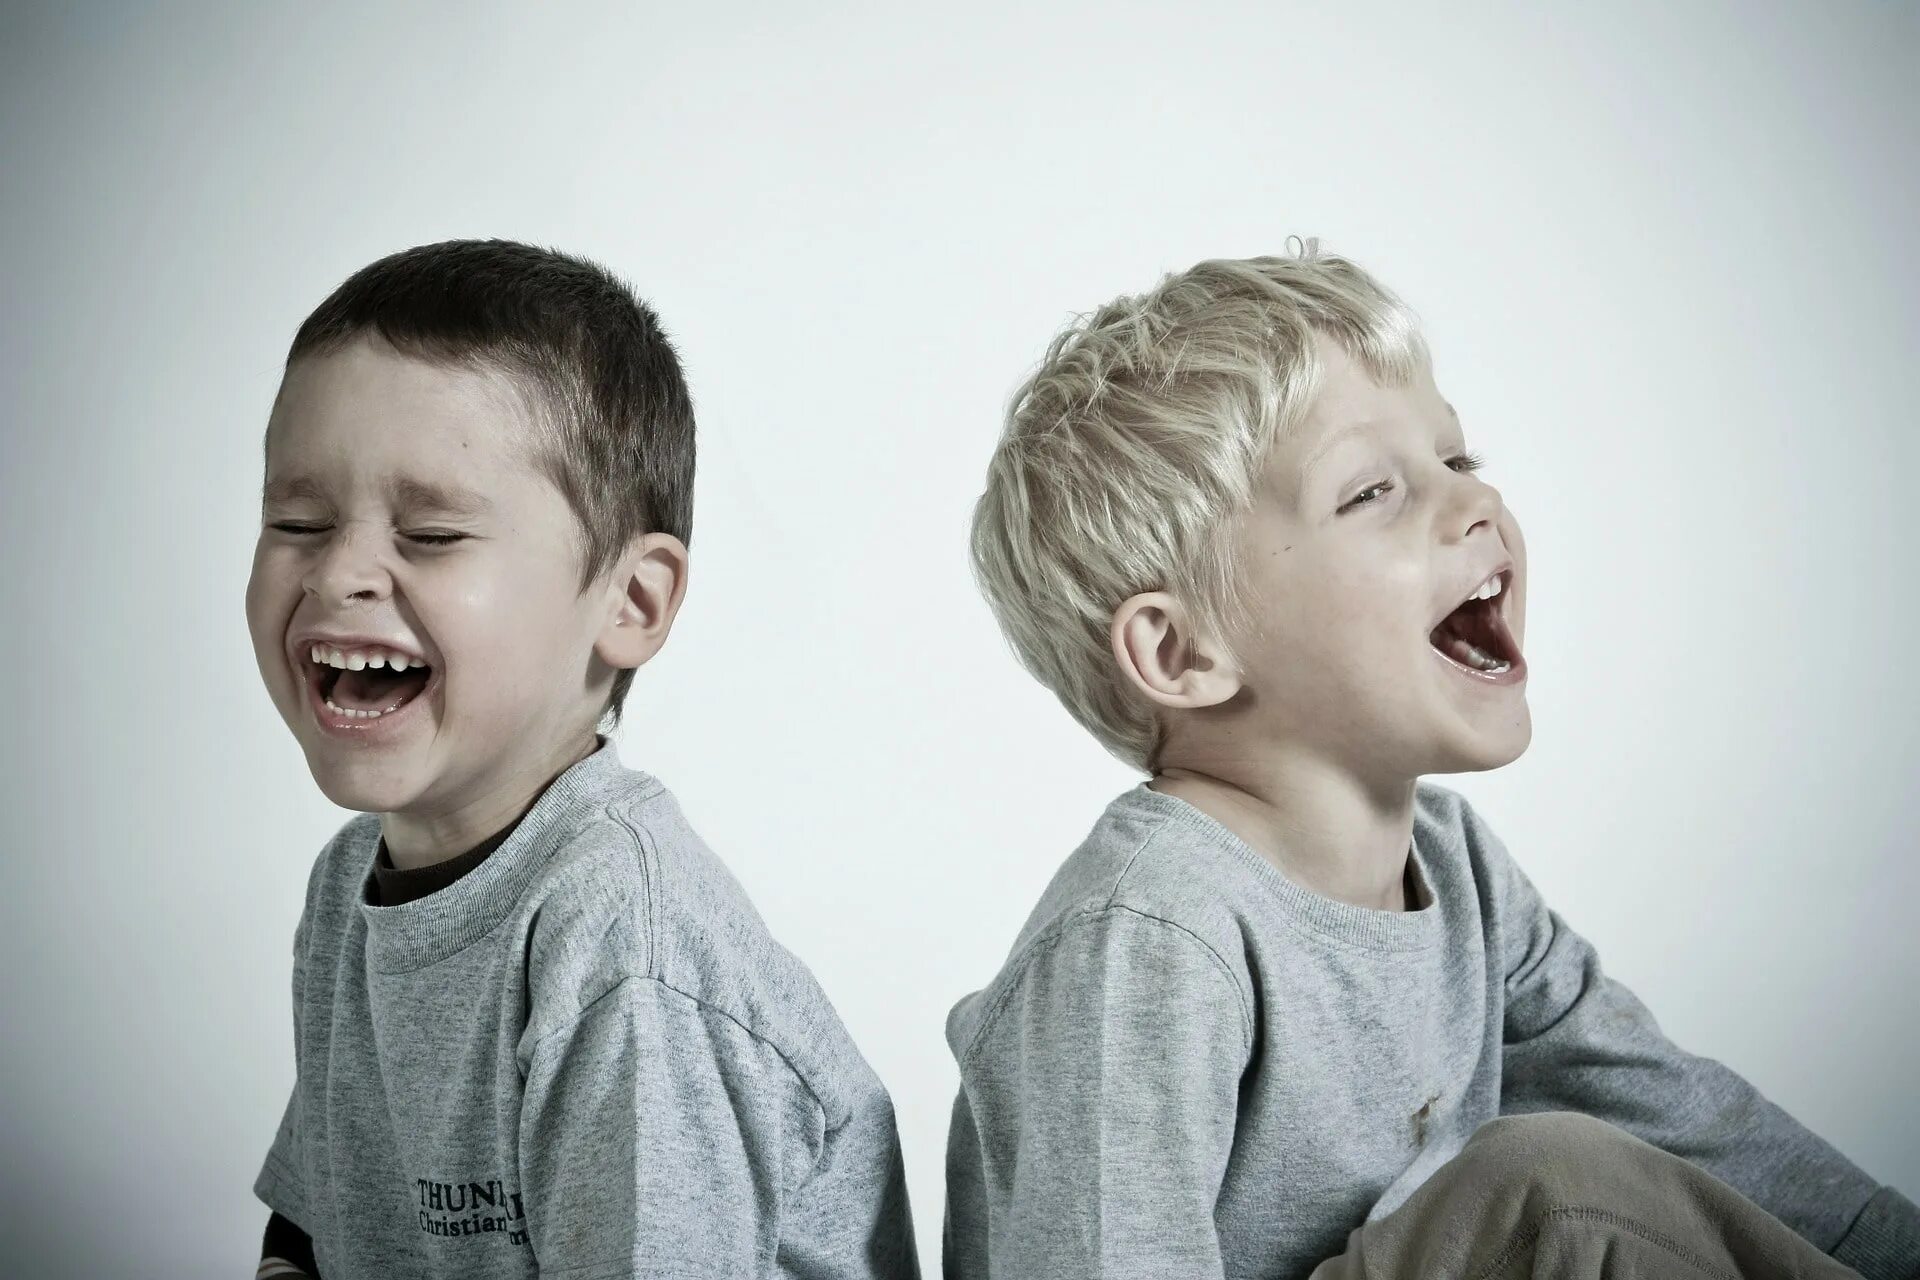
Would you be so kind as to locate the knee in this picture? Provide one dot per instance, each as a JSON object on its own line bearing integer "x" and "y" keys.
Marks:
{"x": 1547, "y": 1151}
{"x": 1526, "y": 1135}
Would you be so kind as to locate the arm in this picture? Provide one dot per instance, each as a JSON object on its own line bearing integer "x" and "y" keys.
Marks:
{"x": 659, "y": 1137}
{"x": 1575, "y": 1040}
{"x": 1097, "y": 1108}
{"x": 285, "y": 1252}
{"x": 285, "y": 1249}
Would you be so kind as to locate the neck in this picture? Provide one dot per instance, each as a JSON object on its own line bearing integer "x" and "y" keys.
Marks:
{"x": 421, "y": 840}
{"x": 1324, "y": 828}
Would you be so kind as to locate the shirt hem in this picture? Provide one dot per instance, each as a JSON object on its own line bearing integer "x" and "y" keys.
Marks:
{"x": 280, "y": 1191}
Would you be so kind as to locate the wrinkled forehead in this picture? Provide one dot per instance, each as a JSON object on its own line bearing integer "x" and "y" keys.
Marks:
{"x": 368, "y": 407}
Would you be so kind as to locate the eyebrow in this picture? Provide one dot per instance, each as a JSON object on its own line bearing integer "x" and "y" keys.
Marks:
{"x": 297, "y": 489}
{"x": 1357, "y": 428}
{"x": 408, "y": 494}
{"x": 405, "y": 493}
{"x": 1326, "y": 446}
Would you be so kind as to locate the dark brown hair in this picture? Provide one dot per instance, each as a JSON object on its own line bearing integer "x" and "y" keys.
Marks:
{"x": 619, "y": 438}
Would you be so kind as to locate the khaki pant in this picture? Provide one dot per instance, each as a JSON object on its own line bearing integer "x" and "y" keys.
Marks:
{"x": 1573, "y": 1198}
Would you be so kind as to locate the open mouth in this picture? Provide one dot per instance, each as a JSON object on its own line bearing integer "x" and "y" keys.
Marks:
{"x": 360, "y": 685}
{"x": 1475, "y": 635}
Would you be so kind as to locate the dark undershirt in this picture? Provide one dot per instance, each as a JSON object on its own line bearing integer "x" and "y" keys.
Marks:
{"x": 392, "y": 887}
{"x": 389, "y": 886}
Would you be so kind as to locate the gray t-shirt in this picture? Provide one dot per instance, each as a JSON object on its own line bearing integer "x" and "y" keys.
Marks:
{"x": 586, "y": 1057}
{"x": 1192, "y": 1067}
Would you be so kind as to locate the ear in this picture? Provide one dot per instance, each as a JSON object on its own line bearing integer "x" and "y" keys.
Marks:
{"x": 645, "y": 593}
{"x": 1154, "y": 642}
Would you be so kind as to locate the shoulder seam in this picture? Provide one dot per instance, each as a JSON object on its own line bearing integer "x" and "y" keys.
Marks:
{"x": 813, "y": 1095}
{"x": 1159, "y": 824}
{"x": 1053, "y": 936}
{"x": 1220, "y": 962}
{"x": 1113, "y": 903}
{"x": 644, "y": 855}
{"x": 621, "y": 915}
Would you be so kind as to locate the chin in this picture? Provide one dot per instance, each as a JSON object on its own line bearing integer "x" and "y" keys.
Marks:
{"x": 1481, "y": 749}
{"x": 370, "y": 787}
{"x": 1492, "y": 748}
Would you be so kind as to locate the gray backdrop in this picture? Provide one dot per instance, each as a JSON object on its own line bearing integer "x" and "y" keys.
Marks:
{"x": 1665, "y": 253}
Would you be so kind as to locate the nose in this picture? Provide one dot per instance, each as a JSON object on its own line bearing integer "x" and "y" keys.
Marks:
{"x": 1471, "y": 503}
{"x": 347, "y": 570}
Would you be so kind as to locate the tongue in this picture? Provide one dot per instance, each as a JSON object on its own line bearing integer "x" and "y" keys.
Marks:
{"x": 1465, "y": 652}
{"x": 1470, "y": 636}
{"x": 377, "y": 689}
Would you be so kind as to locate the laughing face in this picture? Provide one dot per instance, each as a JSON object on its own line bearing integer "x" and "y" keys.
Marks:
{"x": 1393, "y": 649}
{"x": 414, "y": 604}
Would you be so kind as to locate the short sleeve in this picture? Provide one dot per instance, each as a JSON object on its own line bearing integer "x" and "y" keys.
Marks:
{"x": 660, "y": 1137}
{"x": 281, "y": 1184}
{"x": 1098, "y": 1106}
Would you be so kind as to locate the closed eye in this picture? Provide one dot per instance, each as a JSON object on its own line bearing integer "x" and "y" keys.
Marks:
{"x": 425, "y": 538}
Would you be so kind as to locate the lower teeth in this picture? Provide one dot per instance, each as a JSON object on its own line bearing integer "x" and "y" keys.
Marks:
{"x": 1482, "y": 659}
{"x": 339, "y": 710}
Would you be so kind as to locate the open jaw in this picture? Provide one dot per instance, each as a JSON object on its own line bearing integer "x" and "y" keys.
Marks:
{"x": 364, "y": 684}
{"x": 1475, "y": 638}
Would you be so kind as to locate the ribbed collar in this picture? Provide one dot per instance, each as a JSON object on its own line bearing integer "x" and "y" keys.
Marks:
{"x": 427, "y": 930}
{"x": 1362, "y": 926}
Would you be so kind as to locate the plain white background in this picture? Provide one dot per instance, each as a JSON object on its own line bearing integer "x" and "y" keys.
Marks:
{"x": 1664, "y": 254}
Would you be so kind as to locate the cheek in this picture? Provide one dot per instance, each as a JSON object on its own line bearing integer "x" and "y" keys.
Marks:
{"x": 1517, "y": 547}
{"x": 267, "y": 592}
{"x": 1369, "y": 642}
{"x": 1511, "y": 534}
{"x": 270, "y": 602}
{"x": 1376, "y": 599}
{"x": 1326, "y": 631}
{"x": 498, "y": 615}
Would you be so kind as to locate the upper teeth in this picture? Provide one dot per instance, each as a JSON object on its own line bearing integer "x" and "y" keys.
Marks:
{"x": 1489, "y": 589}
{"x": 359, "y": 659}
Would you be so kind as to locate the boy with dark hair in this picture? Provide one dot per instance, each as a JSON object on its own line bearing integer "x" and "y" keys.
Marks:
{"x": 538, "y": 1027}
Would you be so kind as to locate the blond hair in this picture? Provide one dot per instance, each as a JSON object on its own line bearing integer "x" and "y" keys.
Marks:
{"x": 1129, "y": 451}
